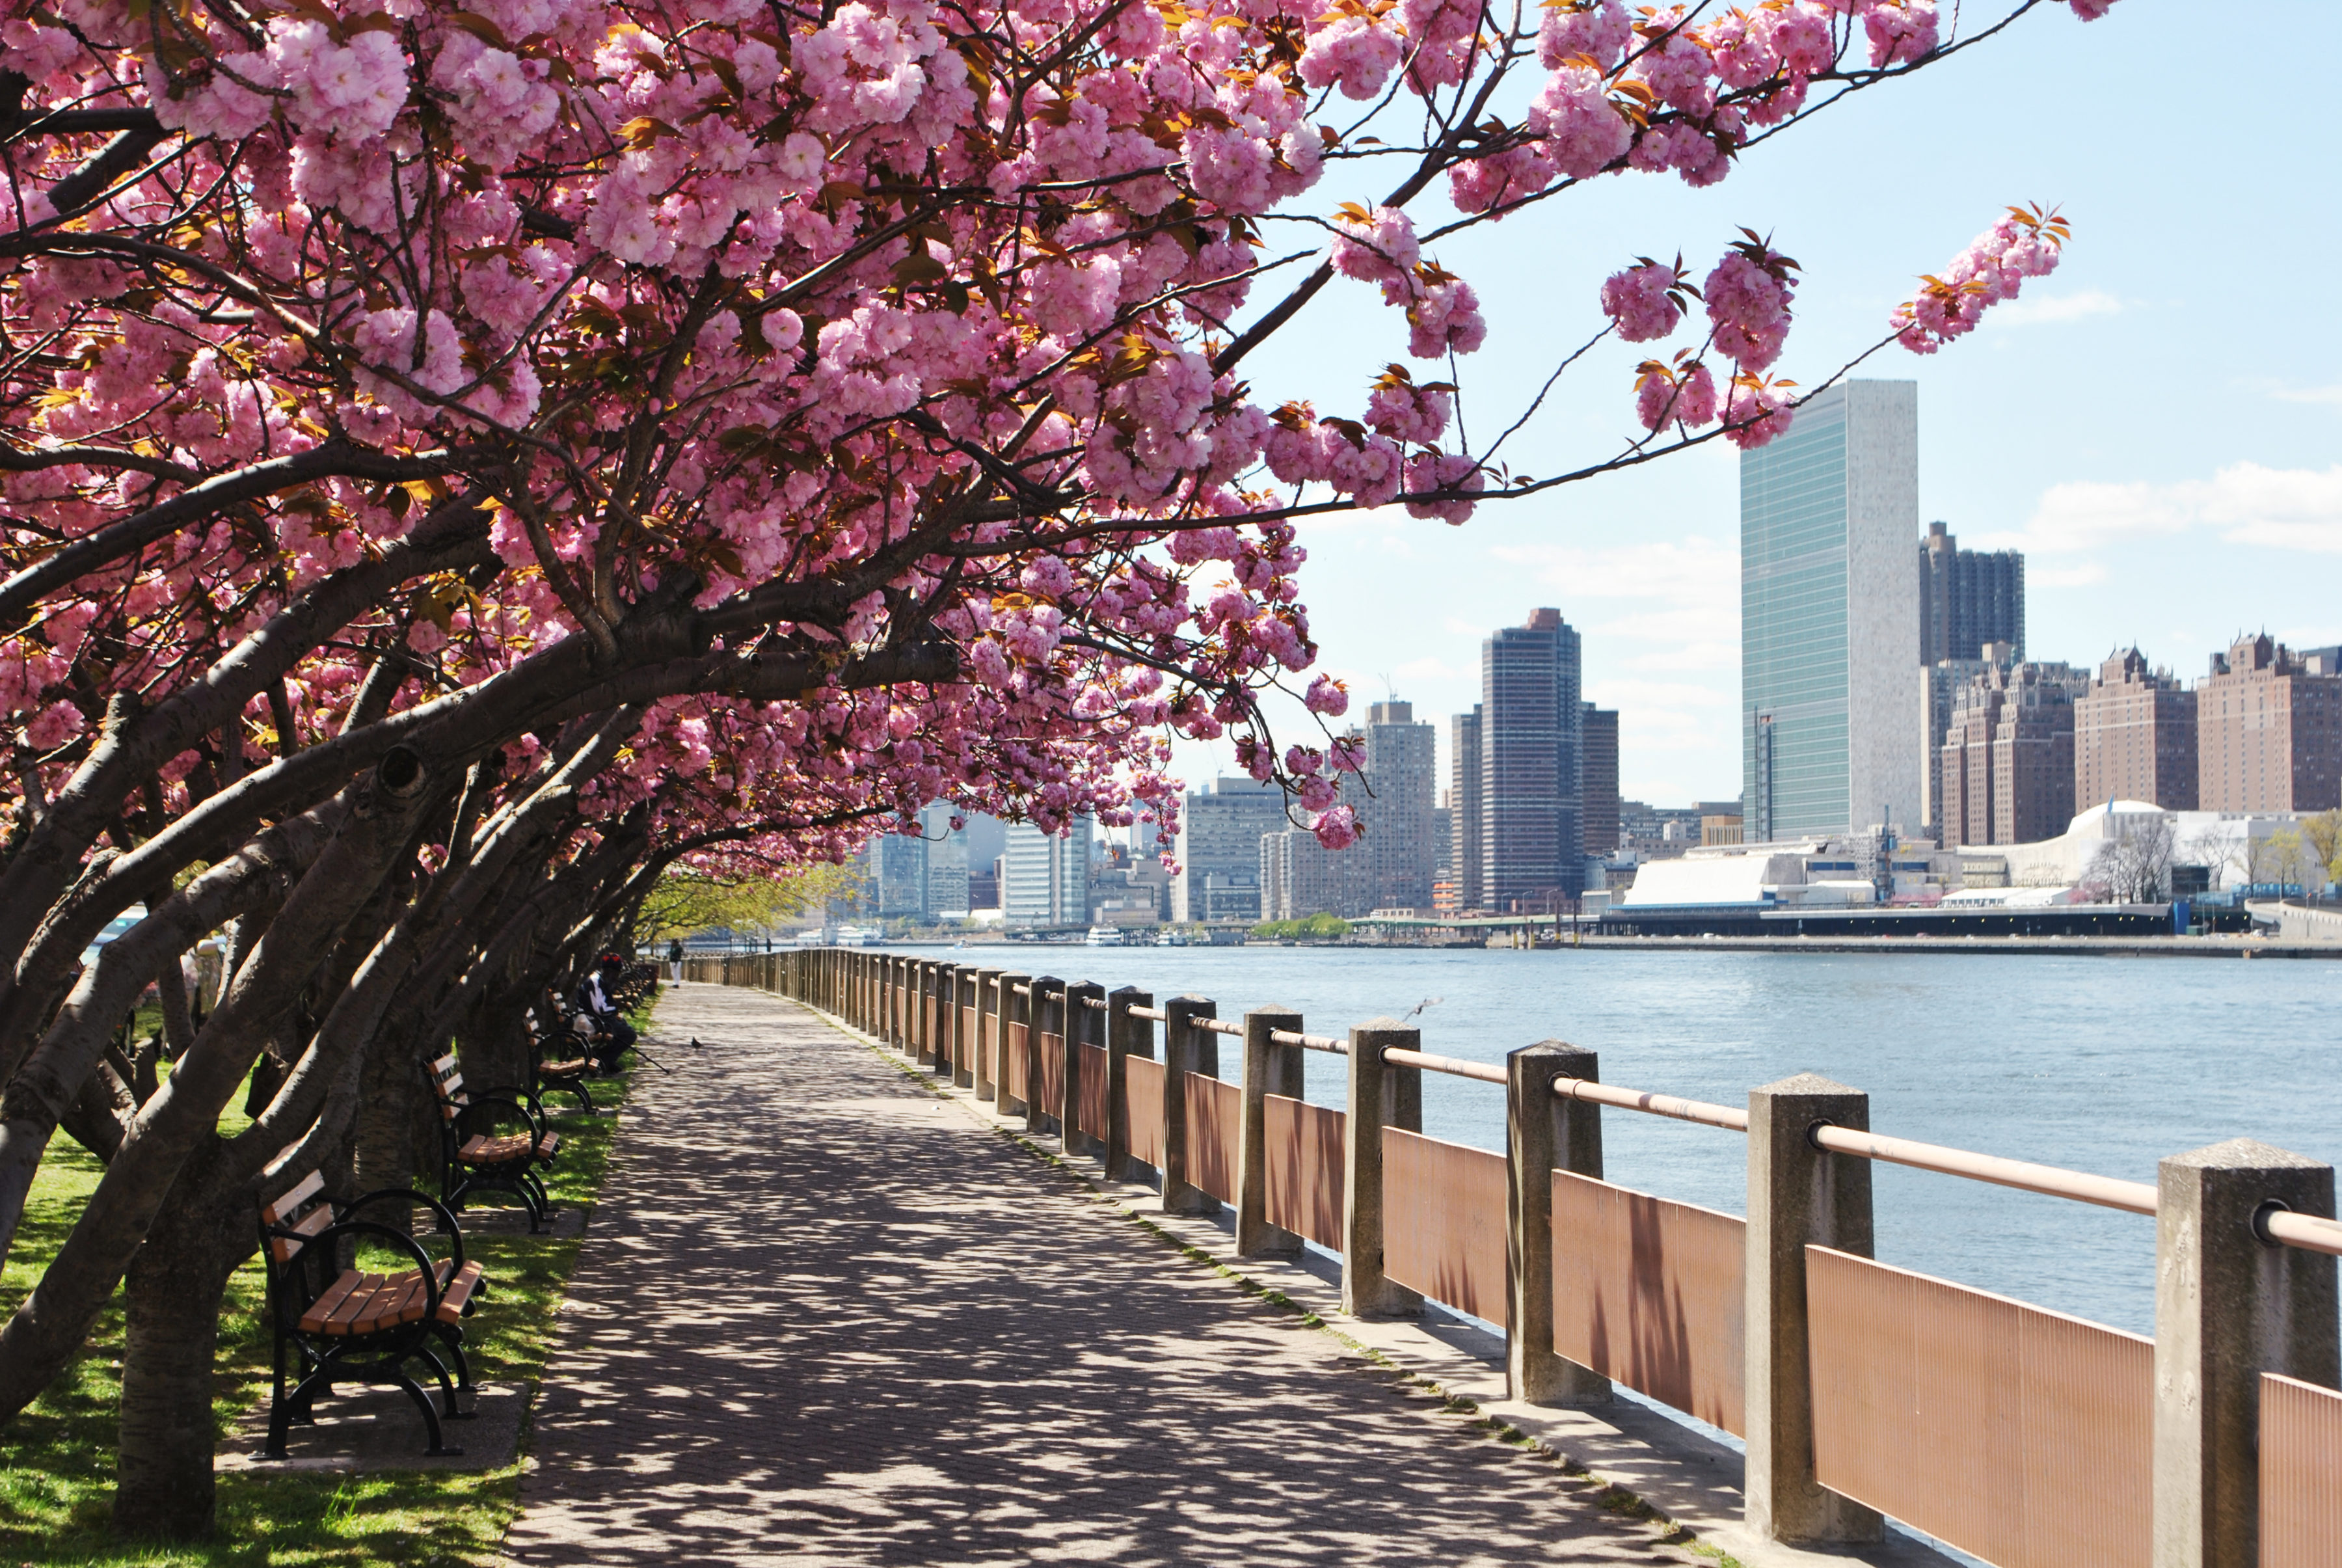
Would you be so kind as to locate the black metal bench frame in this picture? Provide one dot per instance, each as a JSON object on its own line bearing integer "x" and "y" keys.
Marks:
{"x": 303, "y": 1262}
{"x": 463, "y": 1116}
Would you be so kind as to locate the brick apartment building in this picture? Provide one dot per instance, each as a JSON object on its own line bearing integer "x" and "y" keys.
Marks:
{"x": 2134, "y": 737}
{"x": 2008, "y": 762}
{"x": 2268, "y": 731}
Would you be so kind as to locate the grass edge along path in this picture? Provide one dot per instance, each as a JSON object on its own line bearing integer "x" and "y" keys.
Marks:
{"x": 56, "y": 1459}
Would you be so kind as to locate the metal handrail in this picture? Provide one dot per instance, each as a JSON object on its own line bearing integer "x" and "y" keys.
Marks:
{"x": 1022, "y": 990}
{"x": 1325, "y": 1042}
{"x": 1397, "y": 1057}
{"x": 1095, "y": 1003}
{"x": 1152, "y": 1014}
{"x": 2307, "y": 1231}
{"x": 1218, "y": 1026}
{"x": 2051, "y": 1180}
{"x": 1728, "y": 1117}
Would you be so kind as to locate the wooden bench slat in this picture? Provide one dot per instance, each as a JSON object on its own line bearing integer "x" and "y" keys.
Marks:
{"x": 459, "y": 1291}
{"x": 334, "y": 1298}
{"x": 481, "y": 1149}
{"x": 284, "y": 1249}
{"x": 354, "y": 1305}
{"x": 308, "y": 1187}
{"x": 548, "y": 1146}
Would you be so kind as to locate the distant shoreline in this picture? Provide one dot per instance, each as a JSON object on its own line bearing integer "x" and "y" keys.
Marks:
{"x": 2174, "y": 947}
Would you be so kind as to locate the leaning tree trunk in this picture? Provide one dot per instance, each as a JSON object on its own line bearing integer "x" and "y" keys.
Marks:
{"x": 172, "y": 1297}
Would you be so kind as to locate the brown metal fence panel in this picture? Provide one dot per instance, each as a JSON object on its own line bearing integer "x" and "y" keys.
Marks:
{"x": 1215, "y": 1121}
{"x": 1014, "y": 1068}
{"x": 1305, "y": 1154}
{"x": 2301, "y": 1475}
{"x": 1090, "y": 1114}
{"x": 2018, "y": 1434}
{"x": 930, "y": 1011}
{"x": 1444, "y": 1222}
{"x": 963, "y": 1043}
{"x": 1142, "y": 1099}
{"x": 1651, "y": 1294}
{"x": 1049, "y": 1073}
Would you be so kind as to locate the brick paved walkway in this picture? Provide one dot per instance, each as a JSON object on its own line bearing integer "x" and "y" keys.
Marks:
{"x": 824, "y": 1315}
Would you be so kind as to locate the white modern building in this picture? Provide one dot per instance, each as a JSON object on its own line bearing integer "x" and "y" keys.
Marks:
{"x": 1830, "y": 616}
{"x": 1047, "y": 877}
{"x": 1219, "y": 849}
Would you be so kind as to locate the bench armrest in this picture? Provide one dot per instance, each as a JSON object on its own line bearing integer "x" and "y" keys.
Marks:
{"x": 446, "y": 1217}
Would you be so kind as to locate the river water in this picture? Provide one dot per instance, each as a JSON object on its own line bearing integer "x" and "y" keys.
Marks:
{"x": 2099, "y": 1064}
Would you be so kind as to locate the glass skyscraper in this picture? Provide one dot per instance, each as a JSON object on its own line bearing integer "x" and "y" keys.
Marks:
{"x": 1829, "y": 615}
{"x": 1532, "y": 763}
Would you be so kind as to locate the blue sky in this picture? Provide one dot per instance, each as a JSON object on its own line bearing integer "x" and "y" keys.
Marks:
{"x": 2159, "y": 425}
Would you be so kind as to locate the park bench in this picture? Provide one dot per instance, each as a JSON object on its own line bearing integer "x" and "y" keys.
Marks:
{"x": 337, "y": 1323}
{"x": 565, "y": 1073}
{"x": 489, "y": 1141}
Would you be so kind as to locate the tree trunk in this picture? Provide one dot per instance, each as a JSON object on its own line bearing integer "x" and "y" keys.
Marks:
{"x": 172, "y": 1296}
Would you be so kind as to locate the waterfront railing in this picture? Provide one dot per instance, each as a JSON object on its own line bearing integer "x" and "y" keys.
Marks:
{"x": 2026, "y": 1437}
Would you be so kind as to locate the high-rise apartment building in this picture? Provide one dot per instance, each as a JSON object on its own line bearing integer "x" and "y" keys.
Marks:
{"x": 897, "y": 870}
{"x": 2134, "y": 737}
{"x": 1601, "y": 773}
{"x": 1532, "y": 766}
{"x": 1829, "y": 615}
{"x": 1299, "y": 877}
{"x": 947, "y": 861}
{"x": 2268, "y": 732}
{"x": 1402, "y": 772}
{"x": 1940, "y": 684}
{"x": 1464, "y": 808}
{"x": 1968, "y": 597}
{"x": 1045, "y": 877}
{"x": 1219, "y": 849}
{"x": 2009, "y": 759}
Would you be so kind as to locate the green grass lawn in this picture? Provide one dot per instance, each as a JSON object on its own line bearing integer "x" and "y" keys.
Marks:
{"x": 56, "y": 1459}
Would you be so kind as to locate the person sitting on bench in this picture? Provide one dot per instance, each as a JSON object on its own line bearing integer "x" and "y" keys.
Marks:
{"x": 597, "y": 999}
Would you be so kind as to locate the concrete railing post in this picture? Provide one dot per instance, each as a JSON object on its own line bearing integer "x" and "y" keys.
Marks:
{"x": 924, "y": 1011}
{"x": 2229, "y": 1306}
{"x": 1269, "y": 1069}
{"x": 1543, "y": 1134}
{"x": 985, "y": 1068}
{"x": 1046, "y": 1016}
{"x": 1381, "y": 1096}
{"x": 1186, "y": 1050}
{"x": 1126, "y": 1037}
{"x": 1798, "y": 1193}
{"x": 1013, "y": 1010}
{"x": 1083, "y": 1023}
{"x": 966, "y": 1019}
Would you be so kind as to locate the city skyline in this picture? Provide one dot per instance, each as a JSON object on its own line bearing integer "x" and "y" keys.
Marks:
{"x": 2172, "y": 478}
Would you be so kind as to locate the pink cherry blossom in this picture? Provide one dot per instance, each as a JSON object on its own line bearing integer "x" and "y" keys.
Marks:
{"x": 1640, "y": 301}
{"x": 1748, "y": 295}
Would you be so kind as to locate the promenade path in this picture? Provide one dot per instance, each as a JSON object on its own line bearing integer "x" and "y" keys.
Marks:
{"x": 822, "y": 1314}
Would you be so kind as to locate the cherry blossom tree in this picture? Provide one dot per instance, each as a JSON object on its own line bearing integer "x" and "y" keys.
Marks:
{"x": 462, "y": 460}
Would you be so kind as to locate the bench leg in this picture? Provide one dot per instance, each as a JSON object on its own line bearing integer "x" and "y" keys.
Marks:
{"x": 430, "y": 1417}
{"x": 453, "y": 1338}
{"x": 280, "y": 1417}
{"x": 448, "y": 1407}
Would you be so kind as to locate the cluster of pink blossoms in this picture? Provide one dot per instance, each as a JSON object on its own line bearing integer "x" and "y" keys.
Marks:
{"x": 1748, "y": 294}
{"x": 2025, "y": 243}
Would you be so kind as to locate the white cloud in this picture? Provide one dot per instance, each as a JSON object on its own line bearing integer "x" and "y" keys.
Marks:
{"x": 2053, "y": 307}
{"x": 2329, "y": 395}
{"x": 1692, "y": 572}
{"x": 2082, "y": 574}
{"x": 2245, "y": 503}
